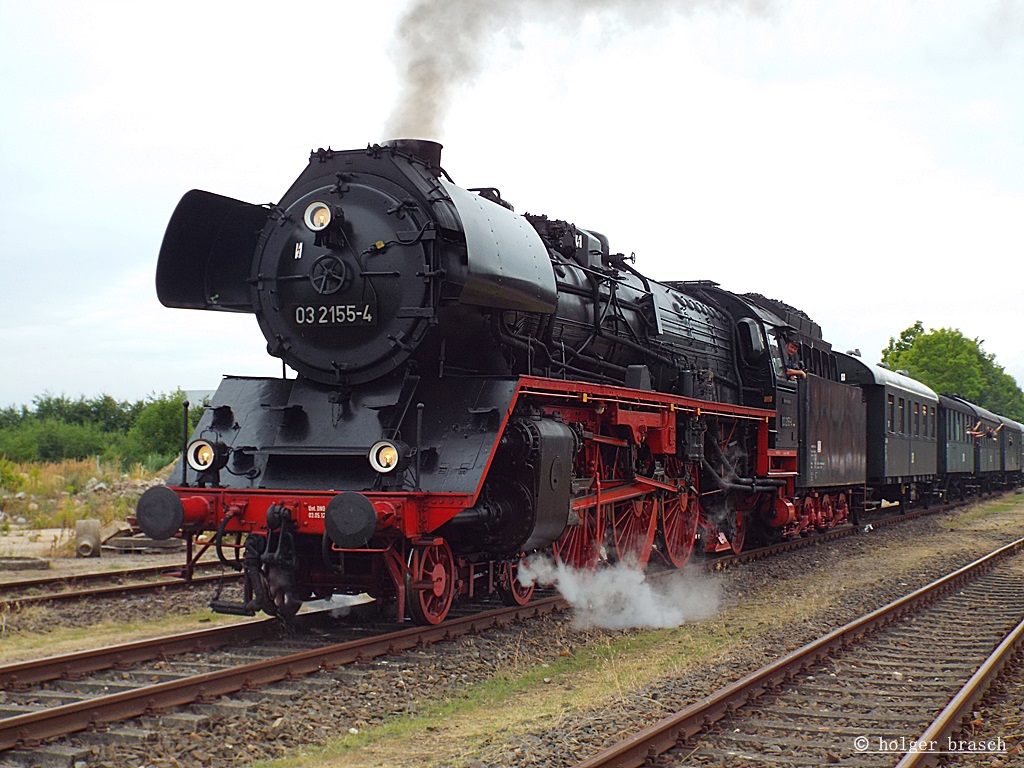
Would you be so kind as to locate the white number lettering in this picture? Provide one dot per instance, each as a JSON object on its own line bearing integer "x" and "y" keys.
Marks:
{"x": 337, "y": 314}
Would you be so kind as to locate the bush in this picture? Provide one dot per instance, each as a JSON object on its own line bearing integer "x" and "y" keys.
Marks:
{"x": 147, "y": 433}
{"x": 52, "y": 440}
{"x": 10, "y": 476}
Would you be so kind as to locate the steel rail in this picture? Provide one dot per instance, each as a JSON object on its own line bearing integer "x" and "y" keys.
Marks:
{"x": 636, "y": 749}
{"x": 115, "y": 590}
{"x": 23, "y": 673}
{"x": 950, "y": 718}
{"x": 31, "y": 728}
{"x": 170, "y": 571}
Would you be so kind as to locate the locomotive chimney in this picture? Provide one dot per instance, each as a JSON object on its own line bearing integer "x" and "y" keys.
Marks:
{"x": 427, "y": 151}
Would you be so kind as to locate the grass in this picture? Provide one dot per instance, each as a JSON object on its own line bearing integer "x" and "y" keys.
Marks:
{"x": 984, "y": 513}
{"x": 531, "y": 692}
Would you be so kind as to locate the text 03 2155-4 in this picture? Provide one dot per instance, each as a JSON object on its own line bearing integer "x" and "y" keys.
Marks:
{"x": 336, "y": 314}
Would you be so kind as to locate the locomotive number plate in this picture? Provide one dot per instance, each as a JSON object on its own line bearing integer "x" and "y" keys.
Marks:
{"x": 337, "y": 314}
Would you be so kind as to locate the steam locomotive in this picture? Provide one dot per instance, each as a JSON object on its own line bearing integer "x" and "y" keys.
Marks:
{"x": 472, "y": 385}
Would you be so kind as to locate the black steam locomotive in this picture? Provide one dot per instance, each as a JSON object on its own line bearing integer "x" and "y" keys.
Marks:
{"x": 474, "y": 385}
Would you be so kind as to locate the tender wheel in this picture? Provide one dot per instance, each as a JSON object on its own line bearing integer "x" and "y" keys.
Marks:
{"x": 678, "y": 528}
{"x": 635, "y": 525}
{"x": 430, "y": 583}
{"x": 510, "y": 590}
{"x": 827, "y": 517}
{"x": 580, "y": 546}
{"x": 842, "y": 511}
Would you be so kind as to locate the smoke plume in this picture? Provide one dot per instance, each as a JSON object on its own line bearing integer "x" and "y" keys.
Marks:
{"x": 442, "y": 45}
{"x": 621, "y": 597}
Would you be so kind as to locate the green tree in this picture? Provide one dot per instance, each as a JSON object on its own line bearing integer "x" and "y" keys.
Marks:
{"x": 59, "y": 427}
{"x": 103, "y": 411}
{"x": 156, "y": 436}
{"x": 906, "y": 341}
{"x": 950, "y": 363}
{"x": 12, "y": 416}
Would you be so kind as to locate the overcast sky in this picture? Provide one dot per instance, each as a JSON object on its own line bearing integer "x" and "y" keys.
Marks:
{"x": 863, "y": 161}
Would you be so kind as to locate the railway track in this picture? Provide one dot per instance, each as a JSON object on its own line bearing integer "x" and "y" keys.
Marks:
{"x": 24, "y": 592}
{"x": 887, "y": 686}
{"x": 67, "y": 694}
{"x": 124, "y": 659}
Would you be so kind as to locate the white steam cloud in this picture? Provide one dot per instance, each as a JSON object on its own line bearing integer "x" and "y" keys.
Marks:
{"x": 621, "y": 597}
{"x": 441, "y": 45}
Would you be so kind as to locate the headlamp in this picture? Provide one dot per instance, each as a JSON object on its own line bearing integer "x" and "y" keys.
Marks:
{"x": 203, "y": 455}
{"x": 318, "y": 216}
{"x": 387, "y": 456}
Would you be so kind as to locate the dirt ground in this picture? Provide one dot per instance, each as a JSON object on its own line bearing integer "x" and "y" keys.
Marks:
{"x": 50, "y": 552}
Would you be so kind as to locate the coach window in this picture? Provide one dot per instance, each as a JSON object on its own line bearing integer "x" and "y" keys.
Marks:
{"x": 891, "y": 426}
{"x": 917, "y": 419}
{"x": 931, "y": 420}
{"x": 903, "y": 417}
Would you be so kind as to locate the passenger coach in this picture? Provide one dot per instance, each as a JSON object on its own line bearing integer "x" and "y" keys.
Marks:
{"x": 902, "y": 461}
{"x": 956, "y": 459}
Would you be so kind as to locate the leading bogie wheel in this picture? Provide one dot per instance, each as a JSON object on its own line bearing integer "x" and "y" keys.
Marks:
{"x": 280, "y": 590}
{"x": 430, "y": 582}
